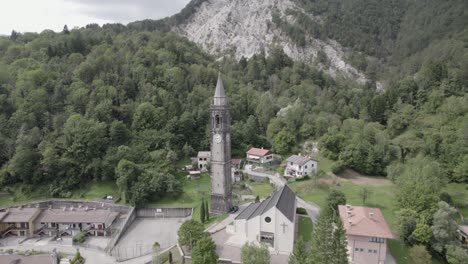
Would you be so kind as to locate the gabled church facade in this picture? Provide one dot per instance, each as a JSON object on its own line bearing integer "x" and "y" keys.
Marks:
{"x": 271, "y": 221}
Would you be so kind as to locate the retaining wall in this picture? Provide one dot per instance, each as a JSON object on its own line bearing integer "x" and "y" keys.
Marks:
{"x": 163, "y": 212}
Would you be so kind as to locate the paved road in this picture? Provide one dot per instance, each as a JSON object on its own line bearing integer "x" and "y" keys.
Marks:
{"x": 221, "y": 225}
{"x": 311, "y": 208}
{"x": 91, "y": 256}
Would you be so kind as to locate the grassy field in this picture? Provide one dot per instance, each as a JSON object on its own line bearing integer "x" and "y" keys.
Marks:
{"x": 194, "y": 191}
{"x": 383, "y": 196}
{"x": 305, "y": 228}
{"x": 262, "y": 189}
{"x": 90, "y": 191}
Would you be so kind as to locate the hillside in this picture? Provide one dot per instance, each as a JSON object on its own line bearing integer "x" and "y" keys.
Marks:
{"x": 245, "y": 28}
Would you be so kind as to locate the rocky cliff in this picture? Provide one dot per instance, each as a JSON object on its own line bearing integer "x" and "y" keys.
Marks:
{"x": 245, "y": 28}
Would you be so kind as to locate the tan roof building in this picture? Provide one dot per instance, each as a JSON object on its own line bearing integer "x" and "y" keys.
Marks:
{"x": 78, "y": 215}
{"x": 367, "y": 233}
{"x": 35, "y": 259}
{"x": 20, "y": 215}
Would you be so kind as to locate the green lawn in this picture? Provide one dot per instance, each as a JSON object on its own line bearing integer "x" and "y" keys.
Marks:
{"x": 305, "y": 228}
{"x": 89, "y": 191}
{"x": 459, "y": 194}
{"x": 382, "y": 197}
{"x": 262, "y": 189}
{"x": 193, "y": 192}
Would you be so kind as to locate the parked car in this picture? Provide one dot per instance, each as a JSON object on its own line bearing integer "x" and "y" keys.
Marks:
{"x": 234, "y": 209}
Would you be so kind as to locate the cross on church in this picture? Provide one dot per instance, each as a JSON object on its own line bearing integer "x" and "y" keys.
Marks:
{"x": 284, "y": 225}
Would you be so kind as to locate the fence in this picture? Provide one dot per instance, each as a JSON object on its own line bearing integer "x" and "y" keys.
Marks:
{"x": 163, "y": 212}
{"x": 123, "y": 253}
{"x": 117, "y": 235}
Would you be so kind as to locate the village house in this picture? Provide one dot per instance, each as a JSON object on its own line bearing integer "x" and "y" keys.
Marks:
{"x": 236, "y": 172}
{"x": 203, "y": 158}
{"x": 463, "y": 234}
{"x": 259, "y": 156}
{"x": 271, "y": 221}
{"x": 18, "y": 221}
{"x": 300, "y": 166}
{"x": 71, "y": 221}
{"x": 367, "y": 233}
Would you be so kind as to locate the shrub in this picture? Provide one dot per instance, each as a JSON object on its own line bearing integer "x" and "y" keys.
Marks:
{"x": 337, "y": 167}
{"x": 446, "y": 198}
{"x": 79, "y": 238}
{"x": 301, "y": 211}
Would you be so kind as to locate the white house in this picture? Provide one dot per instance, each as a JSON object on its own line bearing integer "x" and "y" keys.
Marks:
{"x": 299, "y": 166}
{"x": 271, "y": 221}
{"x": 259, "y": 155}
{"x": 203, "y": 158}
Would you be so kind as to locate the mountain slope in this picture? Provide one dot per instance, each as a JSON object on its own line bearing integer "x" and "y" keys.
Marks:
{"x": 246, "y": 28}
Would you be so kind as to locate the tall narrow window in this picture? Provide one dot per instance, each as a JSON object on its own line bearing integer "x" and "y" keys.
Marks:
{"x": 217, "y": 121}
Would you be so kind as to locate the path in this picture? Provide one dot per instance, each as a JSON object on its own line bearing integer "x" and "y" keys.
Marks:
{"x": 311, "y": 208}
{"x": 221, "y": 225}
{"x": 91, "y": 256}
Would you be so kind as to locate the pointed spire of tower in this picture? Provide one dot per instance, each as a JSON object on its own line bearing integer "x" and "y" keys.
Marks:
{"x": 220, "y": 95}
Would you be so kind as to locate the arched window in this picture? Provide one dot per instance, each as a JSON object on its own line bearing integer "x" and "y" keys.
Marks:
{"x": 217, "y": 121}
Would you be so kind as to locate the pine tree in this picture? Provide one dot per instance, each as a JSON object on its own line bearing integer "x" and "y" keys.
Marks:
{"x": 299, "y": 255}
{"x": 321, "y": 239}
{"x": 207, "y": 211}
{"x": 328, "y": 240}
{"x": 202, "y": 212}
{"x": 340, "y": 254}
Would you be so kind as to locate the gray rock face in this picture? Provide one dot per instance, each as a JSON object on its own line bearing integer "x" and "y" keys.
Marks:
{"x": 245, "y": 28}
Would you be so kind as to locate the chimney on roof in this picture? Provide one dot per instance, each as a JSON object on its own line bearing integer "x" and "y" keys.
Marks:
{"x": 371, "y": 215}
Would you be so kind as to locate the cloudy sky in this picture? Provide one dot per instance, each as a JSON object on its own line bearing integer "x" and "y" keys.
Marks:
{"x": 37, "y": 15}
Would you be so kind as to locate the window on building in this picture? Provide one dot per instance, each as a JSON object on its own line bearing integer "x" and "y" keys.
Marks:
{"x": 361, "y": 249}
{"x": 217, "y": 121}
{"x": 356, "y": 249}
{"x": 268, "y": 219}
{"x": 305, "y": 167}
{"x": 312, "y": 165}
{"x": 370, "y": 250}
{"x": 375, "y": 251}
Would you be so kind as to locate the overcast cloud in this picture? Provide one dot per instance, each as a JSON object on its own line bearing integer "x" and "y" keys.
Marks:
{"x": 37, "y": 15}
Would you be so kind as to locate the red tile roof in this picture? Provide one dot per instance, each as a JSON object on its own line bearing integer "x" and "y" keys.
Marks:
{"x": 364, "y": 221}
{"x": 258, "y": 152}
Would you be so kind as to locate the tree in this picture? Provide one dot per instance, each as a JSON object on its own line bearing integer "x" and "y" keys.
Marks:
{"x": 407, "y": 221}
{"x": 456, "y": 255}
{"x": 207, "y": 209}
{"x": 299, "y": 255}
{"x": 328, "y": 240}
{"x": 156, "y": 249}
{"x": 202, "y": 212}
{"x": 65, "y": 30}
{"x": 283, "y": 142}
{"x": 364, "y": 193}
{"x": 190, "y": 232}
{"x": 418, "y": 255}
{"x": 204, "y": 251}
{"x": 340, "y": 245}
{"x": 335, "y": 198}
{"x": 253, "y": 254}
{"x": 170, "y": 257}
{"x": 422, "y": 233}
{"x": 444, "y": 227}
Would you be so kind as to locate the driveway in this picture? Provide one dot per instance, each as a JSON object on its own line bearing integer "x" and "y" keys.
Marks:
{"x": 221, "y": 225}
{"x": 278, "y": 180}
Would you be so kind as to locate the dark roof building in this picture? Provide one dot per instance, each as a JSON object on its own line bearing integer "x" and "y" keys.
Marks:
{"x": 283, "y": 200}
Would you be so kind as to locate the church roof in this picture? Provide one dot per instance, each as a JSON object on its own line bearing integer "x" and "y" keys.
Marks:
{"x": 220, "y": 87}
{"x": 283, "y": 200}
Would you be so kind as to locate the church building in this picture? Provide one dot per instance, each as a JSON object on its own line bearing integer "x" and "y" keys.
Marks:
{"x": 271, "y": 221}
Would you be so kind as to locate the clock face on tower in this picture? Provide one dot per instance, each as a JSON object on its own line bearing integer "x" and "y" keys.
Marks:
{"x": 217, "y": 138}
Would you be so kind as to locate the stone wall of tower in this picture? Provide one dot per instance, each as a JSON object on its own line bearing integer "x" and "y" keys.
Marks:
{"x": 221, "y": 186}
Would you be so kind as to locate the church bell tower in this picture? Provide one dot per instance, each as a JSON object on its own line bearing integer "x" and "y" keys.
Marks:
{"x": 221, "y": 186}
